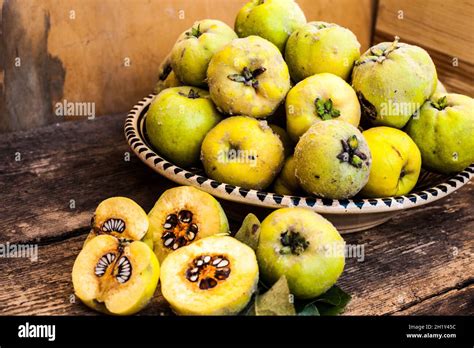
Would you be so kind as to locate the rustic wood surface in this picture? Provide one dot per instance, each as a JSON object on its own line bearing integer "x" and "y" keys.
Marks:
{"x": 420, "y": 262}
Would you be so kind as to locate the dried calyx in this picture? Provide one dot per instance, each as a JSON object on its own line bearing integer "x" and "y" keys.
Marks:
{"x": 293, "y": 243}
{"x": 351, "y": 153}
{"x": 441, "y": 103}
{"x": 248, "y": 77}
{"x": 191, "y": 95}
{"x": 378, "y": 54}
{"x": 119, "y": 265}
{"x": 325, "y": 109}
{"x": 194, "y": 32}
{"x": 180, "y": 230}
{"x": 207, "y": 271}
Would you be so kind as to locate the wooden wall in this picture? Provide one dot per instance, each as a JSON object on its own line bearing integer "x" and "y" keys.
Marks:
{"x": 108, "y": 51}
{"x": 445, "y": 28}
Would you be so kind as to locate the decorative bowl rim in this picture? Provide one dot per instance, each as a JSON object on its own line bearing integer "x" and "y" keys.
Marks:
{"x": 135, "y": 133}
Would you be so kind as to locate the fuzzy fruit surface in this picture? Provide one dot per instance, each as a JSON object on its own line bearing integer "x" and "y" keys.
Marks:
{"x": 286, "y": 182}
{"x": 195, "y": 47}
{"x": 444, "y": 132}
{"x": 214, "y": 276}
{"x": 392, "y": 81}
{"x": 274, "y": 20}
{"x": 304, "y": 247}
{"x": 332, "y": 160}
{"x": 183, "y": 215}
{"x": 120, "y": 217}
{"x": 248, "y": 77}
{"x": 320, "y": 47}
{"x": 115, "y": 277}
{"x": 288, "y": 144}
{"x": 166, "y": 76}
{"x": 242, "y": 151}
{"x": 177, "y": 122}
{"x": 396, "y": 163}
{"x": 319, "y": 98}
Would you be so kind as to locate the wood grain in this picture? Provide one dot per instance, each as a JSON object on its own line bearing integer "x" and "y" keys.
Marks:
{"x": 443, "y": 27}
{"x": 107, "y": 52}
{"x": 413, "y": 263}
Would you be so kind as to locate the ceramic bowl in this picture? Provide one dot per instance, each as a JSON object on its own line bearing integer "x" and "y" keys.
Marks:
{"x": 348, "y": 215}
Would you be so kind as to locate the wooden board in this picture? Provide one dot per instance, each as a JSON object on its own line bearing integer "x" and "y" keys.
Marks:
{"x": 107, "y": 52}
{"x": 420, "y": 262}
{"x": 443, "y": 27}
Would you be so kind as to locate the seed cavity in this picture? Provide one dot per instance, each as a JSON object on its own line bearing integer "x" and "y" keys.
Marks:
{"x": 207, "y": 271}
{"x": 104, "y": 262}
{"x": 124, "y": 270}
{"x": 113, "y": 225}
{"x": 180, "y": 230}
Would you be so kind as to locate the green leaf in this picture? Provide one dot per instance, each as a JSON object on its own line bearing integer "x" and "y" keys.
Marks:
{"x": 309, "y": 310}
{"x": 332, "y": 302}
{"x": 334, "y": 296}
{"x": 249, "y": 232}
{"x": 276, "y": 301}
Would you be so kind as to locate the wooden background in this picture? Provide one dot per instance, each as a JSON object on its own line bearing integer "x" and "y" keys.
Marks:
{"x": 108, "y": 51}
{"x": 82, "y": 58}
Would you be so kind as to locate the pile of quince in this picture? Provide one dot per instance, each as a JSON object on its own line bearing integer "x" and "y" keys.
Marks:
{"x": 285, "y": 102}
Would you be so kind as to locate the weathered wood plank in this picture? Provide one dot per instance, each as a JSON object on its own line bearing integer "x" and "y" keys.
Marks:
{"x": 64, "y": 171}
{"x": 458, "y": 300}
{"x": 419, "y": 254}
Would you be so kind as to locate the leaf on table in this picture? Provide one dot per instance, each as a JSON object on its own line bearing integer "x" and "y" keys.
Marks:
{"x": 249, "y": 232}
{"x": 332, "y": 302}
{"x": 276, "y": 301}
{"x": 309, "y": 310}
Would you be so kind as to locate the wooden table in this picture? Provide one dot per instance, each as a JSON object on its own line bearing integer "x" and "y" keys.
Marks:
{"x": 52, "y": 178}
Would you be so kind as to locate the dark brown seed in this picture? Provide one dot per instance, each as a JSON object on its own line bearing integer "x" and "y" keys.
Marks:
{"x": 185, "y": 216}
{"x": 172, "y": 219}
{"x": 168, "y": 235}
{"x": 222, "y": 273}
{"x": 207, "y": 283}
{"x": 181, "y": 241}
